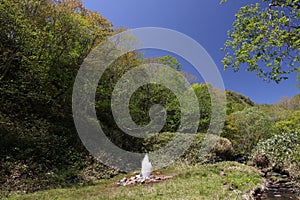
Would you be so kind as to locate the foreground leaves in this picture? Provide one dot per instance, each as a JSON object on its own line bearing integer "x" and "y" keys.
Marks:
{"x": 265, "y": 38}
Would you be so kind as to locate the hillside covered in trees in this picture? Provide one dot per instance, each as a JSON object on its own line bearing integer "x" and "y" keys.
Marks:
{"x": 43, "y": 44}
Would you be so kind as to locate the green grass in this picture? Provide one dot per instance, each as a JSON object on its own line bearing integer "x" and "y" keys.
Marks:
{"x": 198, "y": 182}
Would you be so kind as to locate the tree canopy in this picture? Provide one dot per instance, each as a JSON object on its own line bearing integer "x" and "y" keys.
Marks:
{"x": 265, "y": 38}
{"x": 43, "y": 44}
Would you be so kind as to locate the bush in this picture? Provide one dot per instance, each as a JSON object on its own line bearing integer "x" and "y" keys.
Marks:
{"x": 282, "y": 152}
{"x": 290, "y": 121}
{"x": 222, "y": 149}
{"x": 246, "y": 128}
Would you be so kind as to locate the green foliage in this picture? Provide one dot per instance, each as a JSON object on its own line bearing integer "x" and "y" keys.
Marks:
{"x": 140, "y": 102}
{"x": 265, "y": 36}
{"x": 160, "y": 140}
{"x": 105, "y": 88}
{"x": 143, "y": 99}
{"x": 171, "y": 62}
{"x": 246, "y": 128}
{"x": 237, "y": 102}
{"x": 151, "y": 94}
{"x": 146, "y": 96}
{"x": 282, "y": 150}
{"x": 221, "y": 149}
{"x": 283, "y": 108}
{"x": 289, "y": 123}
{"x": 43, "y": 44}
{"x": 203, "y": 95}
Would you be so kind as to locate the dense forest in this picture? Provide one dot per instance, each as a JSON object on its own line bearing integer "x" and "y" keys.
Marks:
{"x": 44, "y": 43}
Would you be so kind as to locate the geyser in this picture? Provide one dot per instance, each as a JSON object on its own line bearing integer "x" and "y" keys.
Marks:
{"x": 146, "y": 167}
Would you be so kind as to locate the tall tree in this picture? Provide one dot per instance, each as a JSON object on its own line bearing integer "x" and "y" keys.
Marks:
{"x": 265, "y": 38}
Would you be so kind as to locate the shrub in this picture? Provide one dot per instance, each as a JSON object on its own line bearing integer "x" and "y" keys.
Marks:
{"x": 222, "y": 149}
{"x": 290, "y": 122}
{"x": 246, "y": 128}
{"x": 282, "y": 151}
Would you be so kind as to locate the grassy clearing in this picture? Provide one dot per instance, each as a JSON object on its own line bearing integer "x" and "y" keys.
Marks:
{"x": 198, "y": 182}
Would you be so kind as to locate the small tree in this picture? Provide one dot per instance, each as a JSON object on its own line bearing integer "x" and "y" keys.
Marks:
{"x": 246, "y": 128}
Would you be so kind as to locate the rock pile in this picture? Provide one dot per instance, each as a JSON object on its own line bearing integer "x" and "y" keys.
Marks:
{"x": 139, "y": 179}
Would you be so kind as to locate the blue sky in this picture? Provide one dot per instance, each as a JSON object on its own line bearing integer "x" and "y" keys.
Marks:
{"x": 207, "y": 22}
